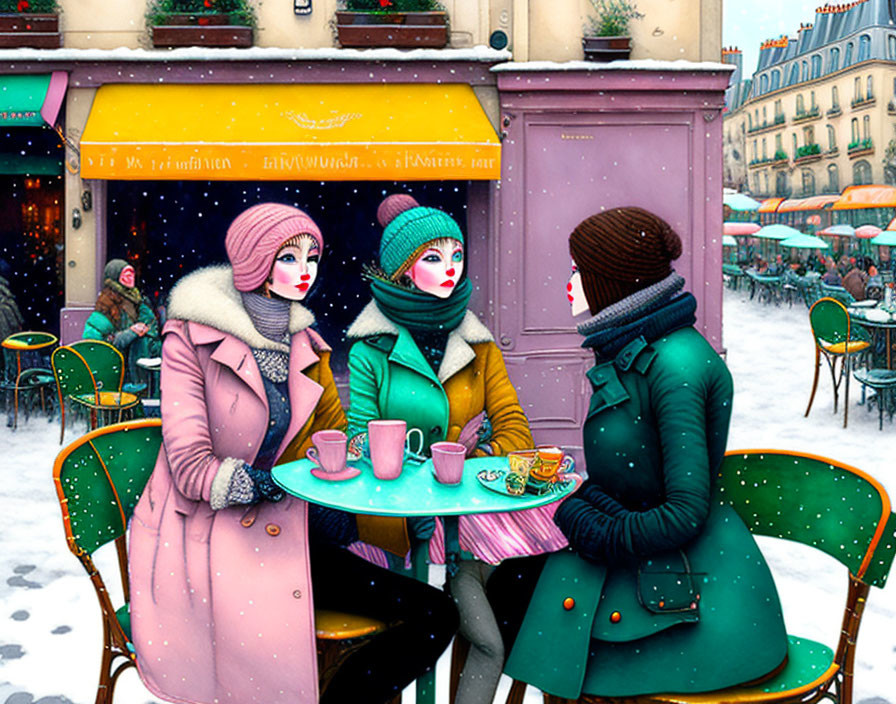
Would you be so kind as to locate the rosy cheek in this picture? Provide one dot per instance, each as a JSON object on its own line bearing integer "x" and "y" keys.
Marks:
{"x": 426, "y": 277}
{"x": 282, "y": 275}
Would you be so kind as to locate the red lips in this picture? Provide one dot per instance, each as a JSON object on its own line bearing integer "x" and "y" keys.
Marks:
{"x": 302, "y": 286}
{"x": 448, "y": 284}
{"x": 571, "y": 299}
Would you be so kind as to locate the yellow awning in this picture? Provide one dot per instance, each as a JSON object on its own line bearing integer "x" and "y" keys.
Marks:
{"x": 867, "y": 196}
{"x": 327, "y": 132}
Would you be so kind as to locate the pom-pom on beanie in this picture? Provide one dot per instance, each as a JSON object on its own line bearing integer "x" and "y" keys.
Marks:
{"x": 621, "y": 251}
{"x": 407, "y": 228}
{"x": 257, "y": 234}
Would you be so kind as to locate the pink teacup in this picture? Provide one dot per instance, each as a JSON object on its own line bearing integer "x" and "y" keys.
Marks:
{"x": 386, "y": 439}
{"x": 328, "y": 451}
{"x": 448, "y": 461}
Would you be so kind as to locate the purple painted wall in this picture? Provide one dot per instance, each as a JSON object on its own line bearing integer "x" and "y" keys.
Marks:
{"x": 577, "y": 142}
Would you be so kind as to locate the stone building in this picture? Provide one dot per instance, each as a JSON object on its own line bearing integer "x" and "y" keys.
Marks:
{"x": 819, "y": 112}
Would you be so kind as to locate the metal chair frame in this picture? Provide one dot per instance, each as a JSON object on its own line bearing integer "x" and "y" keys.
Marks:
{"x": 846, "y": 337}
{"x": 98, "y": 406}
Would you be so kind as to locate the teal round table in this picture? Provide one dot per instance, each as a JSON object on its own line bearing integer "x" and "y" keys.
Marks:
{"x": 414, "y": 493}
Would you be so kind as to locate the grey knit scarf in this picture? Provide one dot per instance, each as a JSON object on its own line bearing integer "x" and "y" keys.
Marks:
{"x": 270, "y": 316}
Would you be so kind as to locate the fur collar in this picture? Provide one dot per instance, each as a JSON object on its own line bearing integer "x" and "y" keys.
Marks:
{"x": 207, "y": 296}
{"x": 458, "y": 352}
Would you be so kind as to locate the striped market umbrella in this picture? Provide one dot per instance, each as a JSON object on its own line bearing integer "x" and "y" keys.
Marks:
{"x": 739, "y": 201}
{"x": 728, "y": 241}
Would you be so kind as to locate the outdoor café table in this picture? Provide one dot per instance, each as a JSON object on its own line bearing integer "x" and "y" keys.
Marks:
{"x": 877, "y": 318}
{"x": 26, "y": 342}
{"x": 768, "y": 286}
{"x": 153, "y": 368}
{"x": 414, "y": 493}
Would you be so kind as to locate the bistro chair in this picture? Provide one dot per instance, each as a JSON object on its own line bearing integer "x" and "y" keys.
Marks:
{"x": 89, "y": 374}
{"x": 835, "y": 339}
{"x": 19, "y": 377}
{"x": 883, "y": 381}
{"x": 838, "y": 293}
{"x": 99, "y": 479}
{"x": 826, "y": 505}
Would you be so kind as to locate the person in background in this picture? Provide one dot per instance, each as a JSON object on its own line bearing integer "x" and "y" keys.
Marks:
{"x": 854, "y": 281}
{"x": 124, "y": 318}
{"x": 831, "y": 276}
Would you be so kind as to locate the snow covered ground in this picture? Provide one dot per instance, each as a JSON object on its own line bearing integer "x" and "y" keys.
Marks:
{"x": 49, "y": 620}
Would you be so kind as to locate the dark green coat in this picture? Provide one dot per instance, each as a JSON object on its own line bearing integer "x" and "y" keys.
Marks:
{"x": 672, "y": 578}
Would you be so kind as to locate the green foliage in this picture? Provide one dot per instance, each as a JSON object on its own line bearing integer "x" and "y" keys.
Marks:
{"x": 393, "y": 5}
{"x": 780, "y": 155}
{"x": 808, "y": 150}
{"x": 241, "y": 12}
{"x": 36, "y": 6}
{"x": 612, "y": 17}
{"x": 860, "y": 144}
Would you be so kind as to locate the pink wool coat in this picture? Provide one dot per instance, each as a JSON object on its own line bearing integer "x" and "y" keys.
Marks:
{"x": 221, "y": 603}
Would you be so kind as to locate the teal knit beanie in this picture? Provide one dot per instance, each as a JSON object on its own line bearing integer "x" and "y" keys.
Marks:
{"x": 410, "y": 229}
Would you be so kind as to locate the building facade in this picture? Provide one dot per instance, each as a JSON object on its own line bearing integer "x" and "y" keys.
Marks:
{"x": 819, "y": 113}
{"x": 164, "y": 147}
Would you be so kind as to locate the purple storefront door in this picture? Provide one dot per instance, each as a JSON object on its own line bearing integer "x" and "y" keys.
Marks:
{"x": 577, "y": 143}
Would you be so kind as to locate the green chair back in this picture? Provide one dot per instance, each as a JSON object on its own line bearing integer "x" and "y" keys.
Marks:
{"x": 105, "y": 362}
{"x": 816, "y": 501}
{"x": 831, "y": 323}
{"x": 71, "y": 372}
{"x": 100, "y": 477}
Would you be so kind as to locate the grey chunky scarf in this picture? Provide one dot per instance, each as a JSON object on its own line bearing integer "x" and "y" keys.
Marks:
{"x": 270, "y": 316}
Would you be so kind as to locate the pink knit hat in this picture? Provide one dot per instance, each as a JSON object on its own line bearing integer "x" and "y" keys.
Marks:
{"x": 256, "y": 235}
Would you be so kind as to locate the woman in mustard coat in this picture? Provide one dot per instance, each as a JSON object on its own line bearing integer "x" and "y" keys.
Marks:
{"x": 420, "y": 356}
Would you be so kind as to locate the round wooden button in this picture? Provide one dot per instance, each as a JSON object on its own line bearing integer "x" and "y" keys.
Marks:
{"x": 247, "y": 521}
{"x": 569, "y": 603}
{"x": 297, "y": 594}
{"x": 615, "y": 617}
{"x": 272, "y": 529}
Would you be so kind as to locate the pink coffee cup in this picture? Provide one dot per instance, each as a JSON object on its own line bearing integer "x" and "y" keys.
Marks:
{"x": 328, "y": 450}
{"x": 386, "y": 439}
{"x": 448, "y": 461}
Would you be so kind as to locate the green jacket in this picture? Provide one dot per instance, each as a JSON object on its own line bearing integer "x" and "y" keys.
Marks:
{"x": 390, "y": 378}
{"x": 673, "y": 577}
{"x": 98, "y": 326}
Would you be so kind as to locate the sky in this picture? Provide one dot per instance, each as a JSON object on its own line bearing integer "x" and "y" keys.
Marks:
{"x": 748, "y": 23}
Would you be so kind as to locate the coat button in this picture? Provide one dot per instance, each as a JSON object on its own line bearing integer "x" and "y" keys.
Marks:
{"x": 297, "y": 594}
{"x": 273, "y": 529}
{"x": 247, "y": 521}
{"x": 436, "y": 430}
{"x": 662, "y": 604}
{"x": 569, "y": 603}
{"x": 615, "y": 617}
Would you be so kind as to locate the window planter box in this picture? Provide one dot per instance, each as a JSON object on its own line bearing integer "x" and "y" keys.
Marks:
{"x": 833, "y": 112}
{"x": 806, "y": 116}
{"x": 403, "y": 30}
{"x": 779, "y": 163}
{"x": 212, "y": 29}
{"x": 603, "y": 49}
{"x": 38, "y": 31}
{"x": 806, "y": 159}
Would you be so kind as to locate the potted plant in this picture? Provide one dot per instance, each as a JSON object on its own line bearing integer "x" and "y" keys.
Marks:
{"x": 607, "y": 35}
{"x": 217, "y": 23}
{"x": 405, "y": 24}
{"x": 31, "y": 23}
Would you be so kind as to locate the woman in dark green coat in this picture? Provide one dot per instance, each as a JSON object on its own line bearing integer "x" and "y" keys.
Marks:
{"x": 660, "y": 581}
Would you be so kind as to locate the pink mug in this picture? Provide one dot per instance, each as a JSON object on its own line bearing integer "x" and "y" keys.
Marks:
{"x": 448, "y": 461}
{"x": 386, "y": 440}
{"x": 328, "y": 450}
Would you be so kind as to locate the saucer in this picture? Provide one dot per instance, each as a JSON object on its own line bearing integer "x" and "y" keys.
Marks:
{"x": 347, "y": 473}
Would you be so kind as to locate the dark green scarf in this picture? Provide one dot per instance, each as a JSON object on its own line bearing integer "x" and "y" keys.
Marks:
{"x": 416, "y": 310}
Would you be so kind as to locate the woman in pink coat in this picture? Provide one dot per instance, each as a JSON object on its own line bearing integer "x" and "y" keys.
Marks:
{"x": 220, "y": 566}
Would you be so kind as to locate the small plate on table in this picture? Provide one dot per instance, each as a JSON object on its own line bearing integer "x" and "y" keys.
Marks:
{"x": 494, "y": 480}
